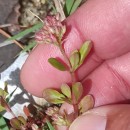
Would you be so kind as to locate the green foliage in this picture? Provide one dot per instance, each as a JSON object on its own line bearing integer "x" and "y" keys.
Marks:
{"x": 84, "y": 51}
{"x": 65, "y": 89}
{"x": 2, "y": 108}
{"x": 57, "y": 64}
{"x": 71, "y": 6}
{"x": 3, "y": 124}
{"x": 26, "y": 31}
{"x": 86, "y": 103}
{"x": 4, "y": 98}
{"x": 68, "y": 6}
{"x": 53, "y": 96}
{"x": 15, "y": 123}
{"x": 77, "y": 91}
{"x": 22, "y": 120}
{"x": 3, "y": 93}
{"x": 74, "y": 60}
{"x": 75, "y": 5}
{"x": 77, "y": 57}
{"x": 10, "y": 95}
{"x": 50, "y": 126}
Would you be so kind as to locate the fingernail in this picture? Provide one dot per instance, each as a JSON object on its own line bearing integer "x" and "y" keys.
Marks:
{"x": 89, "y": 121}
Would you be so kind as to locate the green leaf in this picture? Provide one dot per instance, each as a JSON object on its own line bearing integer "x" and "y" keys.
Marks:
{"x": 74, "y": 60}
{"x": 75, "y": 6}
{"x": 50, "y": 126}
{"x": 22, "y": 120}
{"x": 2, "y": 108}
{"x": 3, "y": 124}
{"x": 6, "y": 87}
{"x": 53, "y": 96}
{"x": 65, "y": 89}
{"x": 15, "y": 123}
{"x": 3, "y": 93}
{"x": 77, "y": 90}
{"x": 3, "y": 105}
{"x": 57, "y": 64}
{"x": 84, "y": 51}
{"x": 10, "y": 95}
{"x": 68, "y": 6}
{"x": 86, "y": 103}
{"x": 27, "y": 31}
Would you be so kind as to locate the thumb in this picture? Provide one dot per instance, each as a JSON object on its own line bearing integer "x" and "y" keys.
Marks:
{"x": 113, "y": 117}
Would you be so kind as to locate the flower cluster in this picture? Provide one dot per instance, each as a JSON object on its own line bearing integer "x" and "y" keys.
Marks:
{"x": 55, "y": 115}
{"x": 52, "y": 31}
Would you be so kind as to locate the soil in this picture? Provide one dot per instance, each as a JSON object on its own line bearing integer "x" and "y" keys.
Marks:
{"x": 7, "y": 53}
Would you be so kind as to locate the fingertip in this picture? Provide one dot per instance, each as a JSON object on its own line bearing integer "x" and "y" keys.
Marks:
{"x": 89, "y": 122}
{"x": 111, "y": 117}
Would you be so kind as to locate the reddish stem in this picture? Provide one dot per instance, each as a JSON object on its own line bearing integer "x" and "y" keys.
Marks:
{"x": 73, "y": 79}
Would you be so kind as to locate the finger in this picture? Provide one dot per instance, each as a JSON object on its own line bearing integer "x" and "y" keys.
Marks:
{"x": 110, "y": 82}
{"x": 110, "y": 36}
{"x": 115, "y": 117}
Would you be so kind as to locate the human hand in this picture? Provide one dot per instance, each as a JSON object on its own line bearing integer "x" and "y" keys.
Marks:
{"x": 106, "y": 72}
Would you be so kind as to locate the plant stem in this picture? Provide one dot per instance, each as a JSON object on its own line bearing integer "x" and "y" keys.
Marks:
{"x": 8, "y": 36}
{"x": 65, "y": 56}
{"x": 73, "y": 78}
{"x": 6, "y": 106}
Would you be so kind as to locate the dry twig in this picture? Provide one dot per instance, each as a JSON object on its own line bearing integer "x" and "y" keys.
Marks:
{"x": 8, "y": 36}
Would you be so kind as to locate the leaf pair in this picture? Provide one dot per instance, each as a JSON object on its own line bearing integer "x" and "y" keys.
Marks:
{"x": 78, "y": 57}
{"x": 53, "y": 96}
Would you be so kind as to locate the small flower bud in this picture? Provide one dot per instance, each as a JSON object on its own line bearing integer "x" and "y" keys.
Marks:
{"x": 34, "y": 127}
{"x": 52, "y": 31}
{"x": 58, "y": 120}
{"x": 52, "y": 110}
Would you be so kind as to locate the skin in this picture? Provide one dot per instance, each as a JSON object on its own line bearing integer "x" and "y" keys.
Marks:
{"x": 106, "y": 72}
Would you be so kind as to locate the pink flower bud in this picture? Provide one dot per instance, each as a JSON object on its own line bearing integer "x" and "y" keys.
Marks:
{"x": 52, "y": 110}
{"x": 52, "y": 31}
